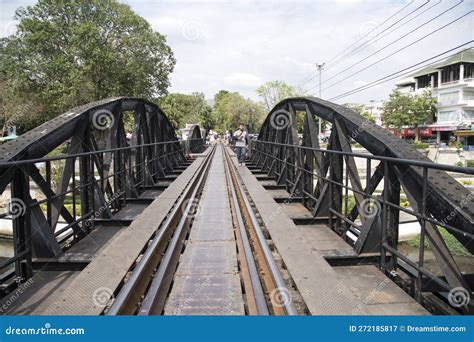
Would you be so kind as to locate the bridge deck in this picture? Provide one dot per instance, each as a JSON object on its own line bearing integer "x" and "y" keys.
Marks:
{"x": 108, "y": 260}
{"x": 207, "y": 280}
{"x": 326, "y": 290}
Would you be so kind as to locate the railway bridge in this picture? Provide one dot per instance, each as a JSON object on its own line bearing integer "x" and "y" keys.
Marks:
{"x": 109, "y": 213}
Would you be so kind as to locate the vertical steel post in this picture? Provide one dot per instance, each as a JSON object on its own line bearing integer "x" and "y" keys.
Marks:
{"x": 421, "y": 256}
{"x": 20, "y": 211}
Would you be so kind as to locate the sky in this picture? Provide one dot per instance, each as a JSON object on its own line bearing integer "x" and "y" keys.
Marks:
{"x": 239, "y": 45}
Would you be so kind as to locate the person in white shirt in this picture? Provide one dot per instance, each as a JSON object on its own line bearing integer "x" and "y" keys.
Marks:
{"x": 240, "y": 136}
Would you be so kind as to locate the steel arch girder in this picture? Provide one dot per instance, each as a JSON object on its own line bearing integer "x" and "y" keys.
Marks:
{"x": 445, "y": 195}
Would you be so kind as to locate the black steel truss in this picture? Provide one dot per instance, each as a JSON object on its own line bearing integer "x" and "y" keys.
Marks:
{"x": 196, "y": 142}
{"x": 324, "y": 179}
{"x": 105, "y": 166}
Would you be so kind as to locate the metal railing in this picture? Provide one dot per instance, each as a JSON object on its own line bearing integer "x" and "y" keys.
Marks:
{"x": 100, "y": 185}
{"x": 369, "y": 221}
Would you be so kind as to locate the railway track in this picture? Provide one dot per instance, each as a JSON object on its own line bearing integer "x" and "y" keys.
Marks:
{"x": 204, "y": 266}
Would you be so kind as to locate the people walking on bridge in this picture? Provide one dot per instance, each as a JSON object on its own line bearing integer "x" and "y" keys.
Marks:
{"x": 240, "y": 136}
{"x": 227, "y": 138}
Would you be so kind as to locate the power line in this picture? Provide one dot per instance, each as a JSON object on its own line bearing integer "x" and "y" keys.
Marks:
{"x": 369, "y": 42}
{"x": 375, "y": 28}
{"x": 394, "y": 41}
{"x": 334, "y": 62}
{"x": 399, "y": 73}
{"x": 401, "y": 49}
{"x": 383, "y": 22}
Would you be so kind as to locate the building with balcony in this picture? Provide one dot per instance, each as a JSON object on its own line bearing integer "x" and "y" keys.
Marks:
{"x": 452, "y": 83}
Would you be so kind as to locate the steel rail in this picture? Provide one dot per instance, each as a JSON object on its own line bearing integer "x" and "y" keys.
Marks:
{"x": 256, "y": 301}
{"x": 256, "y": 231}
{"x": 155, "y": 298}
{"x": 128, "y": 299}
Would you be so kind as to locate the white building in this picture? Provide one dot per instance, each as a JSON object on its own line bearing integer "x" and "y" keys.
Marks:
{"x": 452, "y": 83}
{"x": 375, "y": 109}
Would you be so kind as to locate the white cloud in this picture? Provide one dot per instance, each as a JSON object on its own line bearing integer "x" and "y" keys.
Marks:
{"x": 236, "y": 45}
{"x": 242, "y": 79}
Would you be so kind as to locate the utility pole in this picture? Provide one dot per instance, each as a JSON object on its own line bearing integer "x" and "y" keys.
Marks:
{"x": 320, "y": 68}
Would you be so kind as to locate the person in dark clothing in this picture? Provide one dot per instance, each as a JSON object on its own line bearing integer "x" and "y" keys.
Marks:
{"x": 240, "y": 137}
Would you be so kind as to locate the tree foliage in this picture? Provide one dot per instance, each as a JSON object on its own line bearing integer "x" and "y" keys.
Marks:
{"x": 358, "y": 108}
{"x": 183, "y": 108}
{"x": 409, "y": 109}
{"x": 72, "y": 52}
{"x": 275, "y": 91}
{"x": 15, "y": 110}
{"x": 230, "y": 109}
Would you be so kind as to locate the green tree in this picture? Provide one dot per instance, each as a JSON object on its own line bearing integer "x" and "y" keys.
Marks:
{"x": 16, "y": 111}
{"x": 409, "y": 109}
{"x": 72, "y": 52}
{"x": 220, "y": 95}
{"x": 230, "y": 109}
{"x": 183, "y": 108}
{"x": 358, "y": 108}
{"x": 275, "y": 91}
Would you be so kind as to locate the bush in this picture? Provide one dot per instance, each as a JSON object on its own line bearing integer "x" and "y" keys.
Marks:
{"x": 454, "y": 246}
{"x": 470, "y": 163}
{"x": 420, "y": 146}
